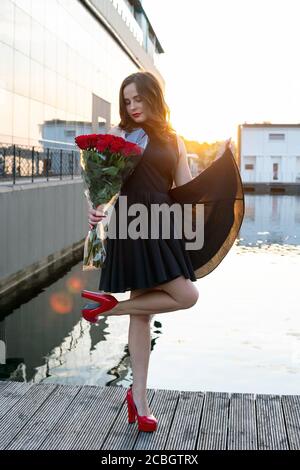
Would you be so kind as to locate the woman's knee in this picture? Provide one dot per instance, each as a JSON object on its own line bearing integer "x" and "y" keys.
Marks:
{"x": 183, "y": 291}
{"x": 192, "y": 296}
{"x": 188, "y": 296}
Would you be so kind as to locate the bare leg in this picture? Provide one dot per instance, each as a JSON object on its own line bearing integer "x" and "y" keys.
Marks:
{"x": 139, "y": 342}
{"x": 180, "y": 293}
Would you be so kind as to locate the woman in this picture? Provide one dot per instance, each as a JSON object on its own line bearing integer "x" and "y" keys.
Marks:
{"x": 160, "y": 272}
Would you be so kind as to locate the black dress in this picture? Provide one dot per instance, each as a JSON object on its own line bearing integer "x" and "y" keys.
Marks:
{"x": 148, "y": 262}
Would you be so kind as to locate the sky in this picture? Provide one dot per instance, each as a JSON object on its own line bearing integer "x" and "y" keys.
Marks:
{"x": 227, "y": 62}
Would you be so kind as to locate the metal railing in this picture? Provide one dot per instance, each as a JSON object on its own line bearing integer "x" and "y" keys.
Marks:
{"x": 20, "y": 162}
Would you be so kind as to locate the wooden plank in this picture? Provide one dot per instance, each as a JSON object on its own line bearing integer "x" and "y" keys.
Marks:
{"x": 36, "y": 431}
{"x": 213, "y": 426}
{"x": 94, "y": 418}
{"x": 163, "y": 407}
{"x": 103, "y": 418}
{"x": 271, "y": 431}
{"x": 242, "y": 433}
{"x": 185, "y": 426}
{"x": 291, "y": 409}
{"x": 18, "y": 416}
{"x": 3, "y": 384}
{"x": 64, "y": 435}
{"x": 11, "y": 394}
{"x": 123, "y": 435}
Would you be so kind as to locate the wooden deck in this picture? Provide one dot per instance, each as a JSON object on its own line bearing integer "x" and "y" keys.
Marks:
{"x": 50, "y": 416}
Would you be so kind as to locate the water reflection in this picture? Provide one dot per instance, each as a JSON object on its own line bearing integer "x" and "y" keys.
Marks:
{"x": 270, "y": 219}
{"x": 44, "y": 338}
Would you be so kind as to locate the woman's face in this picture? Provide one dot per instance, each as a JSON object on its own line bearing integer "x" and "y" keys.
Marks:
{"x": 135, "y": 105}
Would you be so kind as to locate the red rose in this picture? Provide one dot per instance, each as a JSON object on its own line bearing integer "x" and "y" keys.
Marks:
{"x": 131, "y": 149}
{"x": 101, "y": 145}
{"x": 117, "y": 144}
{"x": 86, "y": 141}
{"x": 107, "y": 142}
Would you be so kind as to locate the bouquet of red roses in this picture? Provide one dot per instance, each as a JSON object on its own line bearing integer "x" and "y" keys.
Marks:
{"x": 106, "y": 161}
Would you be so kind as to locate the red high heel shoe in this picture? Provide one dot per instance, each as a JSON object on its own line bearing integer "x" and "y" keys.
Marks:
{"x": 90, "y": 312}
{"x": 145, "y": 423}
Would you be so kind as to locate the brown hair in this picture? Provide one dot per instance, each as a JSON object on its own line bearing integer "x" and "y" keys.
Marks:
{"x": 151, "y": 92}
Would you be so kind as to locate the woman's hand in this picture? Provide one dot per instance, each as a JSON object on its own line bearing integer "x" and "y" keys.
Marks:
{"x": 96, "y": 215}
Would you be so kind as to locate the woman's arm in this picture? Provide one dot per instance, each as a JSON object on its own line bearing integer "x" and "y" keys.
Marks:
{"x": 183, "y": 173}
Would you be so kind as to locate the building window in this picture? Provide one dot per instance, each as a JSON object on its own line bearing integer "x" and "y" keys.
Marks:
{"x": 249, "y": 166}
{"x": 276, "y": 136}
{"x": 69, "y": 133}
{"x": 275, "y": 171}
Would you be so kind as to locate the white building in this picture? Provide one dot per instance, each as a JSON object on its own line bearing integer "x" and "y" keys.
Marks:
{"x": 269, "y": 153}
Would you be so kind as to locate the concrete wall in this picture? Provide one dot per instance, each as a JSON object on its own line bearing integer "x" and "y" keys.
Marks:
{"x": 40, "y": 223}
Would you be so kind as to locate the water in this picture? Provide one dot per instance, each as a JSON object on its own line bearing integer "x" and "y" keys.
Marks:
{"x": 243, "y": 335}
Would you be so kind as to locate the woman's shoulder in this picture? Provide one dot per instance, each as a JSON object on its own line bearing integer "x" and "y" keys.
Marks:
{"x": 116, "y": 130}
{"x": 136, "y": 135}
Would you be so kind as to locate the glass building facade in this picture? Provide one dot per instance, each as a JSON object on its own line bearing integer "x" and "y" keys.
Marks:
{"x": 60, "y": 72}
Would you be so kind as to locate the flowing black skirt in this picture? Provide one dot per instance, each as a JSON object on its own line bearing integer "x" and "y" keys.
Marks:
{"x": 144, "y": 263}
